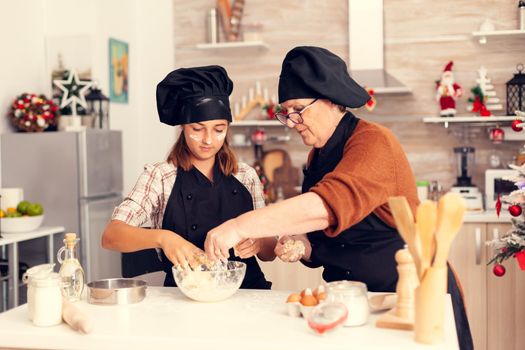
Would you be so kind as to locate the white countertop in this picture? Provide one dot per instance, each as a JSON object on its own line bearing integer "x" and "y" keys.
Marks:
{"x": 488, "y": 216}
{"x": 166, "y": 319}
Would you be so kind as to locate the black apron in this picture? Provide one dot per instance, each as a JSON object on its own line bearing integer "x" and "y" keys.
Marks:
{"x": 196, "y": 205}
{"x": 365, "y": 251}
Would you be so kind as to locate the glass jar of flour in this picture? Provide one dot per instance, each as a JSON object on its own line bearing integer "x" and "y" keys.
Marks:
{"x": 354, "y": 296}
{"x": 46, "y": 298}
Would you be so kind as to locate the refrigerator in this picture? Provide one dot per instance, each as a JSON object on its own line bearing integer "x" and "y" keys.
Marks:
{"x": 77, "y": 177}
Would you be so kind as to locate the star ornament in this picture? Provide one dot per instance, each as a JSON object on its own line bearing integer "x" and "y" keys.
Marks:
{"x": 74, "y": 91}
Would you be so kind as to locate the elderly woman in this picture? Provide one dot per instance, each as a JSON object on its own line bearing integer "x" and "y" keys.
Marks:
{"x": 353, "y": 168}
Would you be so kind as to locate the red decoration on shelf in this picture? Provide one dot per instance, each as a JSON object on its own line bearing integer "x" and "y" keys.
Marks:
{"x": 479, "y": 107}
{"x": 515, "y": 210}
{"x": 498, "y": 270}
{"x": 515, "y": 126}
{"x": 33, "y": 113}
{"x": 520, "y": 256}
{"x": 498, "y": 206}
{"x": 270, "y": 109}
{"x": 371, "y": 104}
{"x": 497, "y": 135}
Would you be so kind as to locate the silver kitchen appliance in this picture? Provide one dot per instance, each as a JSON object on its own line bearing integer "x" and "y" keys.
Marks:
{"x": 77, "y": 177}
{"x": 464, "y": 186}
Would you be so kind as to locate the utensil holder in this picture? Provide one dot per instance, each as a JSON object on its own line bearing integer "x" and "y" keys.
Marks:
{"x": 430, "y": 306}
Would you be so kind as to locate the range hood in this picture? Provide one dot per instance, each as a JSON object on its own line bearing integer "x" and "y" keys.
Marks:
{"x": 366, "y": 48}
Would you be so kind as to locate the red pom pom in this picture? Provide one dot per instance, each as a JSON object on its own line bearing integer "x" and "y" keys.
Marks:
{"x": 498, "y": 270}
{"x": 515, "y": 210}
{"x": 515, "y": 126}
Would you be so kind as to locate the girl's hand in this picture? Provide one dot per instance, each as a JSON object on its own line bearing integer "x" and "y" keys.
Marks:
{"x": 179, "y": 251}
{"x": 247, "y": 248}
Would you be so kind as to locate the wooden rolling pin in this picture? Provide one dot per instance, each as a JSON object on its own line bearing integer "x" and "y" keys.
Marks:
{"x": 75, "y": 318}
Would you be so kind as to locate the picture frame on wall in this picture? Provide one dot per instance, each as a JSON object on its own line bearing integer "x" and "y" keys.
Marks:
{"x": 118, "y": 71}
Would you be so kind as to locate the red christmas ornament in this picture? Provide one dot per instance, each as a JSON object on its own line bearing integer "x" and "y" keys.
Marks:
{"x": 259, "y": 137}
{"x": 520, "y": 256}
{"x": 515, "y": 126}
{"x": 498, "y": 270}
{"x": 497, "y": 135}
{"x": 515, "y": 210}
{"x": 498, "y": 206}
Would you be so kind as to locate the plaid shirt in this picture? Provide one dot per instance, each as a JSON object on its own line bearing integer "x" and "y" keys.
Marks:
{"x": 148, "y": 199}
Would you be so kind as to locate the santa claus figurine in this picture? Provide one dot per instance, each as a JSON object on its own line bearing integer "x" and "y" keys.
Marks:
{"x": 448, "y": 92}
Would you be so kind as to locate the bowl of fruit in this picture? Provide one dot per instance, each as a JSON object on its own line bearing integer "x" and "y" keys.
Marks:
{"x": 26, "y": 217}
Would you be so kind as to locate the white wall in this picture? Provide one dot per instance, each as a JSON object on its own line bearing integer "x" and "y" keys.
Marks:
{"x": 147, "y": 26}
{"x": 156, "y": 58}
{"x": 22, "y": 53}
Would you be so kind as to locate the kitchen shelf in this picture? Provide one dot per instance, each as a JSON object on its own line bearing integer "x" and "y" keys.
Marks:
{"x": 498, "y": 33}
{"x": 257, "y": 123}
{"x": 471, "y": 119}
{"x": 233, "y": 45}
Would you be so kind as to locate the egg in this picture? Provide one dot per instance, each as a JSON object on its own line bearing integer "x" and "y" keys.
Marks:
{"x": 294, "y": 297}
{"x": 306, "y": 291}
{"x": 318, "y": 290}
{"x": 309, "y": 300}
{"x": 321, "y": 296}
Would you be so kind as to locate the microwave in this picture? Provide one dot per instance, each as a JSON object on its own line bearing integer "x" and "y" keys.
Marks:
{"x": 495, "y": 184}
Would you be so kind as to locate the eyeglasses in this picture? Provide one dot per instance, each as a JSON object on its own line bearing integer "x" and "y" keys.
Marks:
{"x": 294, "y": 117}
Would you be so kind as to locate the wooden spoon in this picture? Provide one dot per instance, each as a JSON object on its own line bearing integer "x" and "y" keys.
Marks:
{"x": 405, "y": 225}
{"x": 426, "y": 219}
{"x": 451, "y": 209}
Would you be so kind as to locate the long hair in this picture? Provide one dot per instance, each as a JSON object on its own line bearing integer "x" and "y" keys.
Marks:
{"x": 180, "y": 155}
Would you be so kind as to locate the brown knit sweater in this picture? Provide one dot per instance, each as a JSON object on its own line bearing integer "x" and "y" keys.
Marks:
{"x": 373, "y": 168}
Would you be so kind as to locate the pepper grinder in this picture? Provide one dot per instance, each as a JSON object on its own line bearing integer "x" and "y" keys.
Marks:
{"x": 406, "y": 284}
{"x": 521, "y": 9}
{"x": 403, "y": 315}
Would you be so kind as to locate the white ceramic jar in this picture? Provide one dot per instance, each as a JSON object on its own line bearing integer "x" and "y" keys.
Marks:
{"x": 46, "y": 300}
{"x": 354, "y": 296}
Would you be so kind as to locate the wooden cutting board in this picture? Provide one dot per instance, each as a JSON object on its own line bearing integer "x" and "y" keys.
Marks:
{"x": 281, "y": 173}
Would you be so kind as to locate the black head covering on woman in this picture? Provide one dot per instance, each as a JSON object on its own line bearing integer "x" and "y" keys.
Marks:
{"x": 192, "y": 95}
{"x": 314, "y": 72}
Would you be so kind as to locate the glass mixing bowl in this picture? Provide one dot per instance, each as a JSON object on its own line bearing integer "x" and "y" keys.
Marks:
{"x": 210, "y": 285}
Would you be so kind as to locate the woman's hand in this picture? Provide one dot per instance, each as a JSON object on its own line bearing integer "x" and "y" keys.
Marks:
{"x": 247, "y": 248}
{"x": 179, "y": 251}
{"x": 293, "y": 248}
{"x": 220, "y": 239}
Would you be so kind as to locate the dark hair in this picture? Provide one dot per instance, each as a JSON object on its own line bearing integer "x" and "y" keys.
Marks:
{"x": 180, "y": 155}
{"x": 341, "y": 108}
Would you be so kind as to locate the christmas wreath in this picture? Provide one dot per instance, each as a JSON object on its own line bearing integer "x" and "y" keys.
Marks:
{"x": 33, "y": 113}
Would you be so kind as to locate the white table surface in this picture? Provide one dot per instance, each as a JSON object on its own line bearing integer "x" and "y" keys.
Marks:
{"x": 166, "y": 319}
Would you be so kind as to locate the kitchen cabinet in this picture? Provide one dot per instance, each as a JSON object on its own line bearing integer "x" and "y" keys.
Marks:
{"x": 493, "y": 303}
